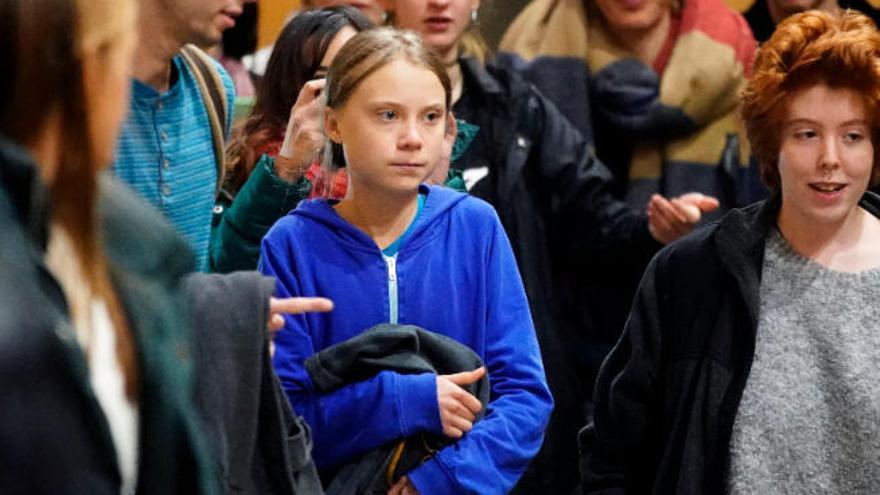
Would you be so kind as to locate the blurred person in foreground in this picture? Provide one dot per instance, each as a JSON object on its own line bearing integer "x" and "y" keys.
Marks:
{"x": 97, "y": 363}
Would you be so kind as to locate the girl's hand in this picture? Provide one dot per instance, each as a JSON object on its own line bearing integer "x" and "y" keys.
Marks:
{"x": 304, "y": 137}
{"x": 458, "y": 408}
{"x": 669, "y": 220}
{"x": 403, "y": 487}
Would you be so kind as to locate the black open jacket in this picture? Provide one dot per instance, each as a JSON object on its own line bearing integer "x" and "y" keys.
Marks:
{"x": 552, "y": 195}
{"x": 667, "y": 396}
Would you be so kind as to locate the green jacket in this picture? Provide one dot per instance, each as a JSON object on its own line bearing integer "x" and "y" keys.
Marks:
{"x": 239, "y": 225}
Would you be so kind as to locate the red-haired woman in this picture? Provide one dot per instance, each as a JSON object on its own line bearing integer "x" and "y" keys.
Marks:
{"x": 748, "y": 364}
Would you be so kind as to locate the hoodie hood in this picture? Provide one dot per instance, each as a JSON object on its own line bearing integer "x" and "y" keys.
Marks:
{"x": 438, "y": 200}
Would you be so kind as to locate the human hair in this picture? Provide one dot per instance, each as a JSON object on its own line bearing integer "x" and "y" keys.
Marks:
{"x": 841, "y": 50}
{"x": 241, "y": 39}
{"x": 368, "y": 52}
{"x": 295, "y": 59}
{"x": 44, "y": 45}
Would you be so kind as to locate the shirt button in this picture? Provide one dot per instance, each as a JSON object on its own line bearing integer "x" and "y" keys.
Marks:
{"x": 521, "y": 142}
{"x": 166, "y": 164}
{"x": 166, "y": 190}
{"x": 159, "y": 105}
{"x": 164, "y": 136}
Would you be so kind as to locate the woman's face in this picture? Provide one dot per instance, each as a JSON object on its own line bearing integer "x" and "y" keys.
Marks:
{"x": 341, "y": 38}
{"x": 442, "y": 23}
{"x": 826, "y": 157}
{"x": 391, "y": 128}
{"x": 633, "y": 16}
{"x": 370, "y": 8}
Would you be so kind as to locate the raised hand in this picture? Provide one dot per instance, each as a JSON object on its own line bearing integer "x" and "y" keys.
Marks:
{"x": 304, "y": 138}
{"x": 669, "y": 220}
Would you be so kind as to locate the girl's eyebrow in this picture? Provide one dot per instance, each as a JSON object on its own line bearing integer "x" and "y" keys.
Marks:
{"x": 802, "y": 121}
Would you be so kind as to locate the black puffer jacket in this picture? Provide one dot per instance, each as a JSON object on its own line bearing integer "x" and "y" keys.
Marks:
{"x": 551, "y": 194}
{"x": 668, "y": 394}
{"x": 405, "y": 349}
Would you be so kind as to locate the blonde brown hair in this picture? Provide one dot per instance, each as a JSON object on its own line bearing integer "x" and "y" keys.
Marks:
{"x": 43, "y": 44}
{"x": 368, "y": 52}
{"x": 841, "y": 50}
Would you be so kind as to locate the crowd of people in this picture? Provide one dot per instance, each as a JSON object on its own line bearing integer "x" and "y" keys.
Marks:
{"x": 630, "y": 252}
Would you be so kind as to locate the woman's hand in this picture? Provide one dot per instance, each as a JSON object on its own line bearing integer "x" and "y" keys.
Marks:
{"x": 292, "y": 305}
{"x": 403, "y": 487}
{"x": 669, "y": 220}
{"x": 458, "y": 408}
{"x": 304, "y": 138}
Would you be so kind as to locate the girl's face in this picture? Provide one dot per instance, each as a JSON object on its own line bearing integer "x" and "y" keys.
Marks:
{"x": 391, "y": 128}
{"x": 826, "y": 157}
{"x": 341, "y": 38}
{"x": 442, "y": 23}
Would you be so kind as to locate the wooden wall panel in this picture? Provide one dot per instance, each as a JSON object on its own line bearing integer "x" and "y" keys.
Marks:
{"x": 272, "y": 16}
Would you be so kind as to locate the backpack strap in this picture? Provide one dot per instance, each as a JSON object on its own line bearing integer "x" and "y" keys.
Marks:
{"x": 214, "y": 95}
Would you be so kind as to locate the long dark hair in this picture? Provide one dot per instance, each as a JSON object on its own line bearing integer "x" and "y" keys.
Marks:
{"x": 42, "y": 48}
{"x": 295, "y": 59}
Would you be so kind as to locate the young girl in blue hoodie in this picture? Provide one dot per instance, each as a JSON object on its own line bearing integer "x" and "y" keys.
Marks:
{"x": 398, "y": 251}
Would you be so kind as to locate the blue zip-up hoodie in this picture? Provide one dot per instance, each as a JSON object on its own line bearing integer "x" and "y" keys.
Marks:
{"x": 456, "y": 275}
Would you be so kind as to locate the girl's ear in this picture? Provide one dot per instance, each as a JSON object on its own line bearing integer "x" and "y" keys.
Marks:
{"x": 331, "y": 126}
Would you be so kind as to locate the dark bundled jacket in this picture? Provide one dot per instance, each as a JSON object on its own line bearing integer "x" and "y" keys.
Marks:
{"x": 54, "y": 436}
{"x": 551, "y": 193}
{"x": 260, "y": 445}
{"x": 668, "y": 394}
{"x": 404, "y": 349}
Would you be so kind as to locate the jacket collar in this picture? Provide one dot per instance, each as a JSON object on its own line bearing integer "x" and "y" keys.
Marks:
{"x": 741, "y": 238}
{"x": 473, "y": 72}
{"x": 740, "y": 246}
{"x": 20, "y": 181}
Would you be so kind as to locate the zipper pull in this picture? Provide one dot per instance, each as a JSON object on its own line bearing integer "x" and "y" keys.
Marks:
{"x": 392, "y": 268}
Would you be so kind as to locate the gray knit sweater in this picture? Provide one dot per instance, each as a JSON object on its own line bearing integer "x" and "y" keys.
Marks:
{"x": 809, "y": 419}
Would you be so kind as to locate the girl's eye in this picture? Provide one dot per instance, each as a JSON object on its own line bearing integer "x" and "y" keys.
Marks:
{"x": 805, "y": 134}
{"x": 388, "y": 115}
{"x": 432, "y": 117}
{"x": 853, "y": 137}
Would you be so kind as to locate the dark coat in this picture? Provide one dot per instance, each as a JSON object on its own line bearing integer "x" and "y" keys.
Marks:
{"x": 552, "y": 195}
{"x": 668, "y": 394}
{"x": 261, "y": 446}
{"x": 605, "y": 281}
{"x": 54, "y": 436}
{"x": 403, "y": 349}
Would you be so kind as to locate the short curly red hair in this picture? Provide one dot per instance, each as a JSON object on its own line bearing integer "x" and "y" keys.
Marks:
{"x": 841, "y": 50}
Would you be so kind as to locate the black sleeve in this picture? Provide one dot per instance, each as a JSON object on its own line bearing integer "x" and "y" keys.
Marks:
{"x": 617, "y": 453}
{"x": 582, "y": 186}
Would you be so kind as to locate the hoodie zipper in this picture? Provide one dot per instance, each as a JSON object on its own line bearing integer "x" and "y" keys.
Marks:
{"x": 391, "y": 264}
